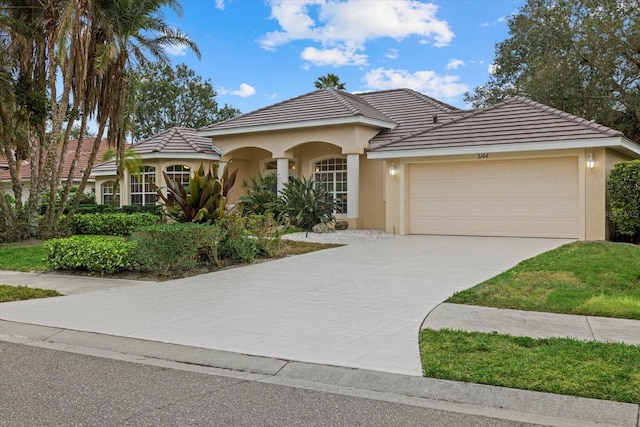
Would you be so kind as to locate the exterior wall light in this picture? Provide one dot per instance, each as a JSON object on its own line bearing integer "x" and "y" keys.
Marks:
{"x": 590, "y": 162}
{"x": 392, "y": 169}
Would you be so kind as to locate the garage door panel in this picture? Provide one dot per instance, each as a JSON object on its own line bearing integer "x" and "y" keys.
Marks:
{"x": 537, "y": 198}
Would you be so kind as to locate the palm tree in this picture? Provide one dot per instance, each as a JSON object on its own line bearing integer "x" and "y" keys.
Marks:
{"x": 132, "y": 32}
{"x": 329, "y": 81}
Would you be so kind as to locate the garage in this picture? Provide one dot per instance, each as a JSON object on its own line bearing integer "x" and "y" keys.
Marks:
{"x": 519, "y": 198}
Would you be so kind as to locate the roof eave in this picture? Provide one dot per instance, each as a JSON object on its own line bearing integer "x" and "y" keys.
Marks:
{"x": 298, "y": 125}
{"x": 618, "y": 143}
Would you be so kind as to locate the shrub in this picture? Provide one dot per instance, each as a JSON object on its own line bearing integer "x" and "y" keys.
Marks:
{"x": 116, "y": 224}
{"x": 237, "y": 244}
{"x": 265, "y": 230}
{"x": 101, "y": 254}
{"x": 623, "y": 188}
{"x": 204, "y": 200}
{"x": 261, "y": 195}
{"x": 306, "y": 203}
{"x": 167, "y": 247}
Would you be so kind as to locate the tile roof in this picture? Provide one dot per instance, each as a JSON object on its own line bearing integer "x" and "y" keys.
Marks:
{"x": 322, "y": 104}
{"x": 176, "y": 140}
{"x": 411, "y": 110}
{"x": 518, "y": 120}
{"x": 87, "y": 144}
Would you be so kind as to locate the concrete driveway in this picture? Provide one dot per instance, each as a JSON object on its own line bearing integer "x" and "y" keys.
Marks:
{"x": 358, "y": 306}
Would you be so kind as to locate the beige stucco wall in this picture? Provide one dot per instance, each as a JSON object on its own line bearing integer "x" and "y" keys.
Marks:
{"x": 159, "y": 164}
{"x": 249, "y": 152}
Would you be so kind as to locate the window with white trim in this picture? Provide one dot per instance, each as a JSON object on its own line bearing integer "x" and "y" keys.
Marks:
{"x": 110, "y": 194}
{"x": 179, "y": 173}
{"x": 332, "y": 175}
{"x": 142, "y": 192}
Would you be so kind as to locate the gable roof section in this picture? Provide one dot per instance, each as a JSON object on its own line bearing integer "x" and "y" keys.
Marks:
{"x": 515, "y": 124}
{"x": 413, "y": 111}
{"x": 174, "y": 143}
{"x": 321, "y": 107}
{"x": 83, "y": 161}
{"x": 176, "y": 140}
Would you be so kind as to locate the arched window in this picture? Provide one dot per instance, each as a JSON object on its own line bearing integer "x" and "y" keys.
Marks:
{"x": 142, "y": 187}
{"x": 110, "y": 194}
{"x": 179, "y": 173}
{"x": 332, "y": 175}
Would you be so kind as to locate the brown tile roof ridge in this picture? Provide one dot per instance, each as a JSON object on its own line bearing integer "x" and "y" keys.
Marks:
{"x": 259, "y": 110}
{"x": 415, "y": 94}
{"x": 158, "y": 142}
{"x": 584, "y": 122}
{"x": 348, "y": 99}
{"x": 436, "y": 102}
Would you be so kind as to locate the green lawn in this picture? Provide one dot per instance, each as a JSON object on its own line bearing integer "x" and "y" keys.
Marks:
{"x": 587, "y": 278}
{"x": 608, "y": 371}
{"x": 25, "y": 256}
{"x": 19, "y": 293}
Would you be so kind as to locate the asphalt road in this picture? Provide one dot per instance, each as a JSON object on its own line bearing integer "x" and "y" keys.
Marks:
{"x": 45, "y": 387}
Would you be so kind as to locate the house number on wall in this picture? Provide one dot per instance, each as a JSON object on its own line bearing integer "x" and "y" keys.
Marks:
{"x": 482, "y": 156}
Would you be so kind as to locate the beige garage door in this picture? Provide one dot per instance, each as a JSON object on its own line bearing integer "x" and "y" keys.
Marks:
{"x": 533, "y": 198}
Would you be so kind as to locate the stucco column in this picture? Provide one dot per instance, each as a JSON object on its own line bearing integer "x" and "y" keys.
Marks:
{"x": 283, "y": 173}
{"x": 353, "y": 185}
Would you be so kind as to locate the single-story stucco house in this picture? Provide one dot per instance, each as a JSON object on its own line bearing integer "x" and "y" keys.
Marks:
{"x": 404, "y": 162}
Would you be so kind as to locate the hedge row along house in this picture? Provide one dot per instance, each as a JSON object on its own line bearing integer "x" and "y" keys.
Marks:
{"x": 409, "y": 164}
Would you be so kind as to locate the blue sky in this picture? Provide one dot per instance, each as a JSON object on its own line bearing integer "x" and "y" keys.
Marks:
{"x": 257, "y": 52}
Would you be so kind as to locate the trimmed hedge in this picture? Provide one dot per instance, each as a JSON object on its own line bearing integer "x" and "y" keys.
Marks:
{"x": 102, "y": 254}
{"x": 113, "y": 224}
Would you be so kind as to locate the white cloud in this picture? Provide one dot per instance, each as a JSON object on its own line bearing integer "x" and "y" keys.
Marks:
{"x": 335, "y": 57}
{"x": 244, "y": 91}
{"x": 392, "y": 54}
{"x": 346, "y": 26}
{"x": 454, "y": 64}
{"x": 176, "y": 50}
{"x": 428, "y": 82}
{"x": 492, "y": 68}
{"x": 219, "y": 4}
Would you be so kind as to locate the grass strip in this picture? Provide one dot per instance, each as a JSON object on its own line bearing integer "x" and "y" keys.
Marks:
{"x": 608, "y": 371}
{"x": 586, "y": 278}
{"x": 19, "y": 293}
{"x": 27, "y": 256}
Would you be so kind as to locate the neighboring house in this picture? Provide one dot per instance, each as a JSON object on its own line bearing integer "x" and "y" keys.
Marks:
{"x": 83, "y": 161}
{"x": 176, "y": 151}
{"x": 409, "y": 164}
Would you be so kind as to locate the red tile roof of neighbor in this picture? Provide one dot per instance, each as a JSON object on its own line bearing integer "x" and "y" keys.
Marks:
{"x": 87, "y": 144}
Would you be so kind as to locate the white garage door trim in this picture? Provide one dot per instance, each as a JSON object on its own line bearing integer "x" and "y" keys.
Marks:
{"x": 521, "y": 198}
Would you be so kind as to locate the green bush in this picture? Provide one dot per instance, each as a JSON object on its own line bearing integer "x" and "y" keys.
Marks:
{"x": 306, "y": 203}
{"x": 265, "y": 229}
{"x": 237, "y": 244}
{"x": 261, "y": 197}
{"x": 103, "y": 254}
{"x": 115, "y": 224}
{"x": 167, "y": 247}
{"x": 623, "y": 188}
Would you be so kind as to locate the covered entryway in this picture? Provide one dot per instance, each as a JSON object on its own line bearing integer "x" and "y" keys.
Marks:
{"x": 522, "y": 197}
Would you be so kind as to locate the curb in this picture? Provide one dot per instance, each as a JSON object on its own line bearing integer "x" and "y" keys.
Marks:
{"x": 490, "y": 401}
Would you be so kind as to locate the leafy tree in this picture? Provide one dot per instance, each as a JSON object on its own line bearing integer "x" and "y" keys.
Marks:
{"x": 166, "y": 97}
{"x": 329, "y": 81}
{"x": 580, "y": 56}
